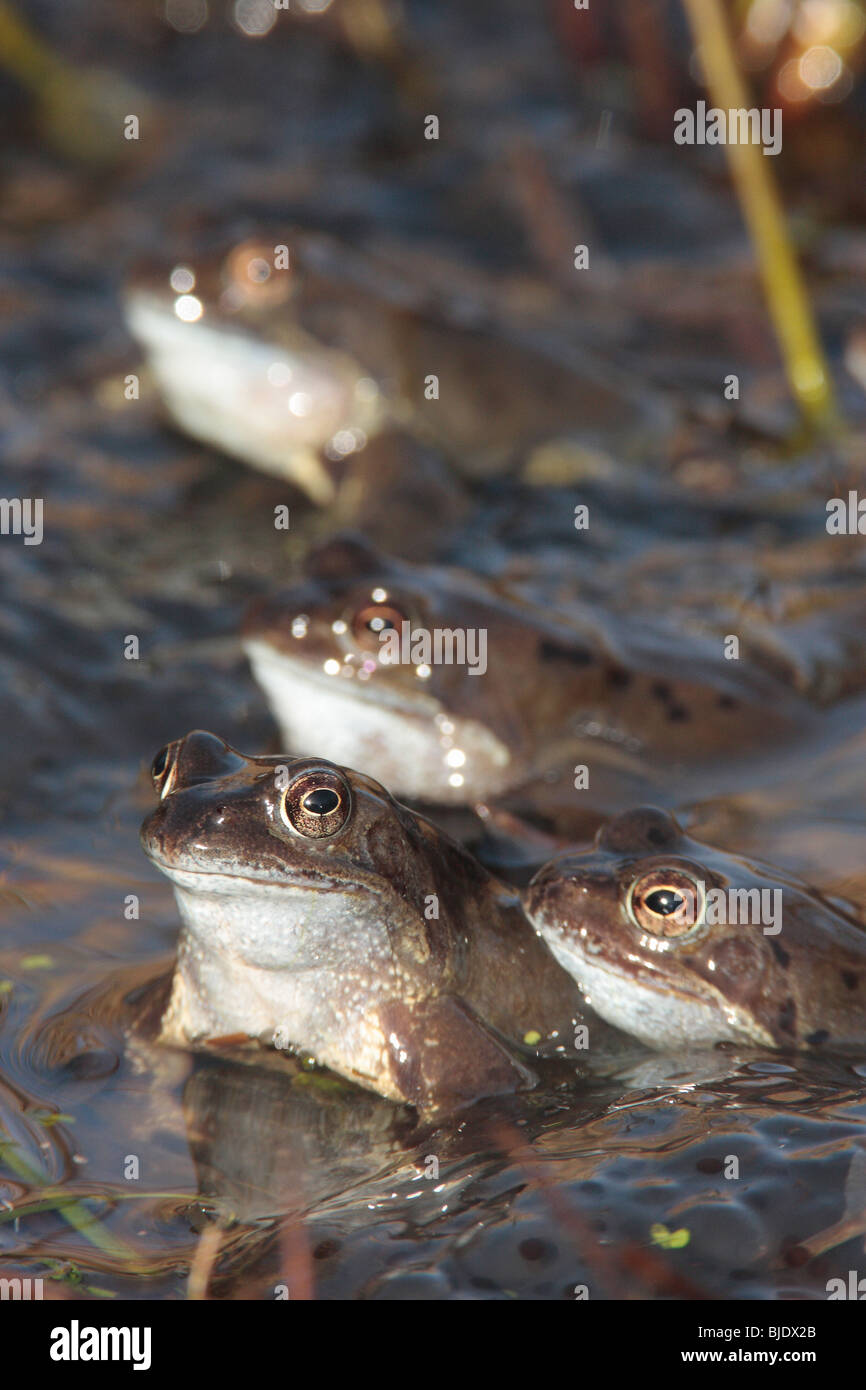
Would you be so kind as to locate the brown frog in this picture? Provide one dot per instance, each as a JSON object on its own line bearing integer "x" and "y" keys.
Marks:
{"x": 321, "y": 915}
{"x": 508, "y": 690}
{"x": 681, "y": 945}
{"x": 292, "y": 352}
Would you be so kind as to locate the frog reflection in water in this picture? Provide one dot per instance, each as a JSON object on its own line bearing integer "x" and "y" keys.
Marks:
{"x": 552, "y": 690}
{"x": 652, "y": 926}
{"x": 320, "y": 912}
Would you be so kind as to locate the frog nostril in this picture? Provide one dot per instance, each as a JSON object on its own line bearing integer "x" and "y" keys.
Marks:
{"x": 202, "y": 757}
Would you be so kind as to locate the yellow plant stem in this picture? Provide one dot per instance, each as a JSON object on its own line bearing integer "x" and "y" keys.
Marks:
{"x": 80, "y": 110}
{"x": 22, "y": 52}
{"x": 787, "y": 301}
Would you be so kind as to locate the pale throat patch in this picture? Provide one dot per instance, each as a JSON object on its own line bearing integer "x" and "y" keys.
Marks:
{"x": 659, "y": 1018}
{"x": 321, "y": 715}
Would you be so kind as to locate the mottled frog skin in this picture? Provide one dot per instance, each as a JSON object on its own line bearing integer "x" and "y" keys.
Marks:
{"x": 321, "y": 914}
{"x": 555, "y": 691}
{"x": 631, "y": 922}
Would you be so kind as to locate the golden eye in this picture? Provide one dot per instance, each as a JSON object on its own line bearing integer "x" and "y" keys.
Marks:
{"x": 666, "y": 902}
{"x": 317, "y": 803}
{"x": 251, "y": 276}
{"x": 374, "y": 619}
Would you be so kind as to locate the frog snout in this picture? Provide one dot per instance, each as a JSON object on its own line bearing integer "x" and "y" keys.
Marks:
{"x": 200, "y": 757}
{"x": 574, "y": 901}
{"x": 542, "y": 895}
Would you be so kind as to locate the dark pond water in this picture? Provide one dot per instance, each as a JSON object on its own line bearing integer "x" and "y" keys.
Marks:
{"x": 130, "y": 1172}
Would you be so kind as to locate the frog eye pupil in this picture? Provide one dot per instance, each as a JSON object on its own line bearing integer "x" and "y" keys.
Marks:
{"x": 664, "y": 901}
{"x": 379, "y": 624}
{"x": 321, "y": 801}
{"x": 369, "y": 623}
{"x": 159, "y": 763}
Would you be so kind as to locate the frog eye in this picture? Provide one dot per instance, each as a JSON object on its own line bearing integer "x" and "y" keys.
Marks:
{"x": 666, "y": 902}
{"x": 317, "y": 803}
{"x": 163, "y": 769}
{"x": 374, "y": 619}
{"x": 251, "y": 276}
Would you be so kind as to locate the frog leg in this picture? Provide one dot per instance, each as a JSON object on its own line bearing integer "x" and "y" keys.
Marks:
{"x": 441, "y": 1056}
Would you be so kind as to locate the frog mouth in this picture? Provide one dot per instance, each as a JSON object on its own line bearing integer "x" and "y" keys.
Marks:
{"x": 647, "y": 1007}
{"x": 206, "y": 880}
{"x": 586, "y": 964}
{"x": 270, "y": 661}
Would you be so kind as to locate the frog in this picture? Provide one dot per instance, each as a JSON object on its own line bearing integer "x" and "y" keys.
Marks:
{"x": 321, "y": 916}
{"x": 680, "y": 944}
{"x": 558, "y": 689}
{"x": 293, "y": 351}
